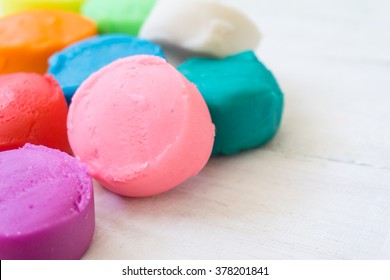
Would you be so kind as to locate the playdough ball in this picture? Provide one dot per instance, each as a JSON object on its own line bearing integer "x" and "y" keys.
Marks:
{"x": 140, "y": 126}
{"x": 118, "y": 16}
{"x": 13, "y": 6}
{"x": 202, "y": 26}
{"x": 244, "y": 99}
{"x": 28, "y": 39}
{"x": 76, "y": 63}
{"x": 32, "y": 110}
{"x": 46, "y": 205}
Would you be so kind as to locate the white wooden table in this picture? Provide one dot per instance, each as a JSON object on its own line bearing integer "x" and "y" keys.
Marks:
{"x": 321, "y": 189}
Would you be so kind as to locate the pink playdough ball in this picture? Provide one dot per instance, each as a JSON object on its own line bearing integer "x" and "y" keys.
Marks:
{"x": 140, "y": 126}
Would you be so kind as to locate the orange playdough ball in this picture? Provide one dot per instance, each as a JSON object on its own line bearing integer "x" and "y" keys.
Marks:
{"x": 28, "y": 39}
{"x": 32, "y": 110}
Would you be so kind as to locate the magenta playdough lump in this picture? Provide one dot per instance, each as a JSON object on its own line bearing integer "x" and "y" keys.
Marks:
{"x": 46, "y": 205}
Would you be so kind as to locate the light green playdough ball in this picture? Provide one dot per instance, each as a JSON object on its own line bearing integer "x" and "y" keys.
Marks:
{"x": 243, "y": 97}
{"x": 118, "y": 16}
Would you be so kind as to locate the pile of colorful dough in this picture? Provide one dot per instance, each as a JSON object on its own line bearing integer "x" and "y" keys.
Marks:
{"x": 75, "y": 105}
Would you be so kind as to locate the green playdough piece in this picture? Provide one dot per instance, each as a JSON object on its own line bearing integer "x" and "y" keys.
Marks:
{"x": 243, "y": 96}
{"x": 118, "y": 16}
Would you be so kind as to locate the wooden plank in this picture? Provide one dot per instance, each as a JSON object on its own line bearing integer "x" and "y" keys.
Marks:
{"x": 260, "y": 204}
{"x": 320, "y": 190}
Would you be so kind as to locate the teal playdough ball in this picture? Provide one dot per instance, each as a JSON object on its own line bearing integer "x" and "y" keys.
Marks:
{"x": 118, "y": 16}
{"x": 243, "y": 97}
